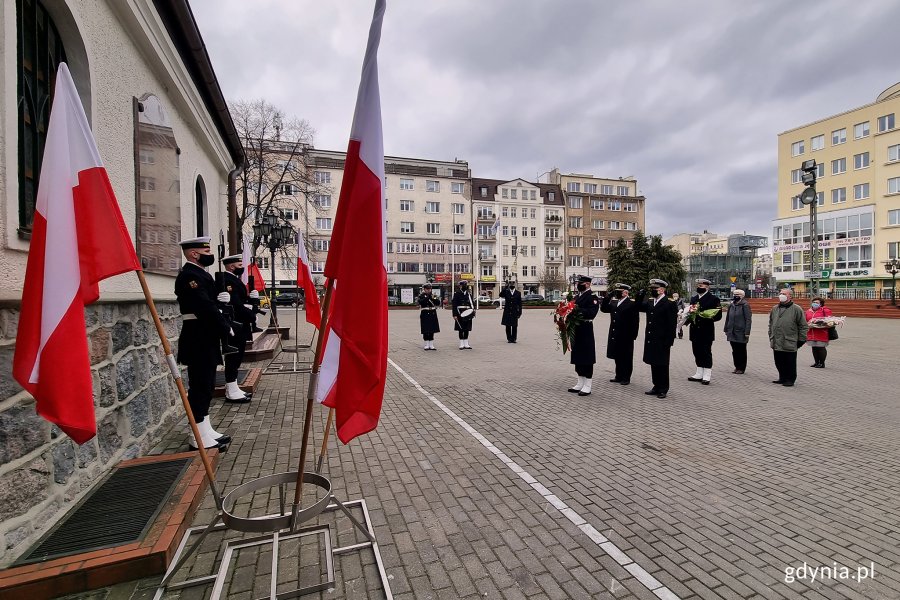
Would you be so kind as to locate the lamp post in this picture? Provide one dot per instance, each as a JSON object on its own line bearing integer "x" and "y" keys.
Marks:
{"x": 809, "y": 197}
{"x": 893, "y": 267}
{"x": 274, "y": 235}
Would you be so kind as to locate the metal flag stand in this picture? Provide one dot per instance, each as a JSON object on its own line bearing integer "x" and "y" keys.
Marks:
{"x": 279, "y": 368}
{"x": 283, "y": 525}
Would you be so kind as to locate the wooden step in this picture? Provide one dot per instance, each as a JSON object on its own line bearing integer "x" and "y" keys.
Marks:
{"x": 248, "y": 380}
{"x": 264, "y": 347}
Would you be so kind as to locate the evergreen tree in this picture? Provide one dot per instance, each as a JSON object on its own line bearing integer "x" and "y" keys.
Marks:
{"x": 620, "y": 264}
{"x": 666, "y": 262}
{"x": 640, "y": 256}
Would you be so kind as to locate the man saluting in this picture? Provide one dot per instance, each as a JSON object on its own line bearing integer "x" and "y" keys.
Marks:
{"x": 662, "y": 317}
{"x": 624, "y": 323}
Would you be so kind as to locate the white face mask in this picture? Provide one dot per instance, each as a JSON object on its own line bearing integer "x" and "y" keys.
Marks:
{"x": 782, "y": 298}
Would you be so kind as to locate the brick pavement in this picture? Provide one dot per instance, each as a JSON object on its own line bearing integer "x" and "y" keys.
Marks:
{"x": 712, "y": 492}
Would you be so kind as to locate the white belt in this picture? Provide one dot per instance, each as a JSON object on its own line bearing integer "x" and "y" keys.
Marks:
{"x": 189, "y": 317}
{"x": 427, "y": 308}
{"x": 587, "y": 321}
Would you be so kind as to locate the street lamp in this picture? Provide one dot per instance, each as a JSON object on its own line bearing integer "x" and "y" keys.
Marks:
{"x": 274, "y": 235}
{"x": 893, "y": 267}
{"x": 809, "y": 197}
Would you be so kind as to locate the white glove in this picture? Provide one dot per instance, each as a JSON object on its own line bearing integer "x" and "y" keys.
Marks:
{"x": 233, "y": 334}
{"x": 254, "y": 294}
{"x": 248, "y": 306}
{"x": 224, "y": 297}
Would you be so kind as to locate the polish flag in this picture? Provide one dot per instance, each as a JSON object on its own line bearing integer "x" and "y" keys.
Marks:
{"x": 259, "y": 283}
{"x": 304, "y": 280}
{"x": 78, "y": 238}
{"x": 354, "y": 367}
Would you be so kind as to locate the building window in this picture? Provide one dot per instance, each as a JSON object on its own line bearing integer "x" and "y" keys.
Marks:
{"x": 796, "y": 176}
{"x": 861, "y": 130}
{"x": 323, "y": 223}
{"x": 432, "y": 228}
{"x": 504, "y": 192}
{"x": 894, "y": 153}
{"x": 287, "y": 189}
{"x": 893, "y": 250}
{"x": 456, "y": 187}
{"x": 407, "y": 227}
{"x": 513, "y": 230}
{"x": 504, "y": 230}
{"x": 820, "y": 170}
{"x": 817, "y": 143}
{"x": 797, "y": 148}
{"x": 321, "y": 245}
{"x": 534, "y": 232}
{"x": 622, "y": 190}
{"x": 861, "y": 191}
{"x": 504, "y": 211}
{"x": 406, "y": 206}
{"x": 838, "y": 195}
{"x": 629, "y": 207}
{"x": 597, "y": 224}
{"x": 575, "y": 241}
{"x": 839, "y": 166}
{"x": 407, "y": 267}
{"x": 512, "y": 211}
{"x": 406, "y": 184}
{"x": 838, "y": 136}
{"x": 533, "y": 271}
{"x": 615, "y": 225}
{"x": 596, "y": 204}
{"x": 606, "y": 190}
{"x": 483, "y": 192}
{"x": 575, "y": 222}
{"x": 574, "y": 201}
{"x": 459, "y": 229}
{"x": 291, "y": 214}
{"x": 590, "y": 188}
{"x": 322, "y": 177}
{"x": 574, "y": 261}
{"x": 534, "y": 213}
{"x": 534, "y": 194}
{"x": 573, "y": 186}
{"x": 432, "y": 207}
{"x": 322, "y": 200}
{"x": 458, "y": 208}
{"x": 861, "y": 161}
{"x": 894, "y": 217}
{"x": 148, "y": 184}
{"x": 551, "y": 196}
{"x": 432, "y": 185}
{"x": 630, "y": 226}
{"x": 614, "y": 205}
{"x": 885, "y": 123}
{"x": 512, "y": 194}
{"x": 894, "y": 185}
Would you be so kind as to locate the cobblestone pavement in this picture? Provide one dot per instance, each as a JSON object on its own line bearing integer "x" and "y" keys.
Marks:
{"x": 485, "y": 479}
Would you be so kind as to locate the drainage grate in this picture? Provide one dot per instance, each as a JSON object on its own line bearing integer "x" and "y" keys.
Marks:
{"x": 119, "y": 510}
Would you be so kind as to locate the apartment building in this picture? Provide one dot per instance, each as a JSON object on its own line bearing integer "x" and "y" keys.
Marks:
{"x": 857, "y": 156}
{"x": 598, "y": 212}
{"x": 519, "y": 234}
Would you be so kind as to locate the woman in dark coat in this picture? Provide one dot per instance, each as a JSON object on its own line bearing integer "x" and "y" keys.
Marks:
{"x": 584, "y": 354}
{"x": 737, "y": 330}
{"x": 428, "y": 319}
{"x": 463, "y": 314}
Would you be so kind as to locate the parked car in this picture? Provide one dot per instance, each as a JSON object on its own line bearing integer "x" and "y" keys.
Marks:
{"x": 288, "y": 299}
{"x": 532, "y": 298}
{"x": 484, "y": 300}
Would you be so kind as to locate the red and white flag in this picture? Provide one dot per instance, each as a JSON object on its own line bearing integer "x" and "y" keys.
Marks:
{"x": 354, "y": 367}
{"x": 304, "y": 280}
{"x": 78, "y": 238}
{"x": 259, "y": 283}
{"x": 245, "y": 259}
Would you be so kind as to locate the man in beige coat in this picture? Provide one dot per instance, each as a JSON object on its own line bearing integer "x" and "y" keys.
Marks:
{"x": 787, "y": 332}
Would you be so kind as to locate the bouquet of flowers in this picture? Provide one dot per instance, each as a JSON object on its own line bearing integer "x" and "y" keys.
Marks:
{"x": 827, "y": 322}
{"x": 567, "y": 319}
{"x": 690, "y": 316}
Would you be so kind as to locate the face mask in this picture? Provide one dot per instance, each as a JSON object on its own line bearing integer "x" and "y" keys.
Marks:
{"x": 582, "y": 287}
{"x": 782, "y": 298}
{"x": 700, "y": 290}
{"x": 617, "y": 294}
{"x": 463, "y": 287}
{"x": 206, "y": 260}
{"x": 737, "y": 299}
{"x": 238, "y": 271}
{"x": 815, "y": 305}
{"x": 654, "y": 292}
{"x": 512, "y": 287}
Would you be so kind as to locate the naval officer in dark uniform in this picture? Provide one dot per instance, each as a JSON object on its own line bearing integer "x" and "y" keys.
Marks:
{"x": 624, "y": 323}
{"x": 512, "y": 310}
{"x": 201, "y": 333}
{"x": 662, "y": 318}
{"x": 428, "y": 319}
{"x": 242, "y": 325}
{"x": 702, "y": 331}
{"x": 463, "y": 314}
{"x": 584, "y": 352}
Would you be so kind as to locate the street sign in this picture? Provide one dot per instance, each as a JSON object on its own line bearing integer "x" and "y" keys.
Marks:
{"x": 733, "y": 279}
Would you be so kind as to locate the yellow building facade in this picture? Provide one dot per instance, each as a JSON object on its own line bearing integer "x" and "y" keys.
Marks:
{"x": 858, "y": 200}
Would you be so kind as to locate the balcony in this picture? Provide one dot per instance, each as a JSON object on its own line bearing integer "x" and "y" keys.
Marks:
{"x": 486, "y": 217}
{"x": 486, "y": 236}
{"x": 553, "y": 240}
{"x": 553, "y": 220}
{"x": 553, "y": 258}
{"x": 487, "y": 257}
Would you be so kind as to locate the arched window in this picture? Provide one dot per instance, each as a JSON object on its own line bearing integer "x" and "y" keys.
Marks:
{"x": 200, "y": 200}
{"x": 39, "y": 52}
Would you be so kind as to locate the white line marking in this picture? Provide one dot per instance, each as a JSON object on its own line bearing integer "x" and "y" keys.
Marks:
{"x": 639, "y": 573}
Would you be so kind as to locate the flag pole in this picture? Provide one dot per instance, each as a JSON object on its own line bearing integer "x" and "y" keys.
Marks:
{"x": 176, "y": 374}
{"x": 324, "y": 451}
{"x": 310, "y": 400}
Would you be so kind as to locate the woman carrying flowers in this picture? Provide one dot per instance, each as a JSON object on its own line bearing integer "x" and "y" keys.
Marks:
{"x": 817, "y": 336}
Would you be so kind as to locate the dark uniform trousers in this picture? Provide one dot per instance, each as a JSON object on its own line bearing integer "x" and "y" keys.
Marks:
{"x": 786, "y": 363}
{"x": 242, "y": 326}
{"x": 659, "y": 373}
{"x": 201, "y": 332}
{"x": 702, "y": 331}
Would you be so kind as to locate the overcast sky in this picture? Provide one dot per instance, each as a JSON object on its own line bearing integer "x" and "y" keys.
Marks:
{"x": 688, "y": 96}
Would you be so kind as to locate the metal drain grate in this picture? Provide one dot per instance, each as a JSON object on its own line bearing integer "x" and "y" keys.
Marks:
{"x": 119, "y": 510}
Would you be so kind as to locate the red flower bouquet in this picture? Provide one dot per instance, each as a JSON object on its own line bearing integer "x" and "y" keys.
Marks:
{"x": 567, "y": 319}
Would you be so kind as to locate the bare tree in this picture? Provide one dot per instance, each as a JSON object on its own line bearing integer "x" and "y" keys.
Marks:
{"x": 277, "y": 173}
{"x": 551, "y": 280}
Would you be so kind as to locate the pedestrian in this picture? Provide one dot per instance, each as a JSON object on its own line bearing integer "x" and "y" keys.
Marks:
{"x": 662, "y": 316}
{"x": 737, "y": 330}
{"x": 679, "y": 304}
{"x": 818, "y": 336}
{"x": 583, "y": 351}
{"x": 624, "y": 323}
{"x": 702, "y": 331}
{"x": 242, "y": 324}
{"x": 463, "y": 314}
{"x": 787, "y": 333}
{"x": 204, "y": 326}
{"x": 428, "y": 319}
{"x": 512, "y": 310}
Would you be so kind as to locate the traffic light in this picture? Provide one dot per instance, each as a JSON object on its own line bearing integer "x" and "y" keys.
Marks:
{"x": 808, "y": 196}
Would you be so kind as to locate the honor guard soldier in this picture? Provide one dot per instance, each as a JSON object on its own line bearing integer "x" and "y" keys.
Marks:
{"x": 662, "y": 317}
{"x": 242, "y": 325}
{"x": 463, "y": 314}
{"x": 512, "y": 310}
{"x": 202, "y": 331}
{"x": 702, "y": 331}
{"x": 624, "y": 323}
{"x": 584, "y": 352}
{"x": 428, "y": 319}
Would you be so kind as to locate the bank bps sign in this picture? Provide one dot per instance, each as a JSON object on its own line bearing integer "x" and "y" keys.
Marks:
{"x": 841, "y": 274}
